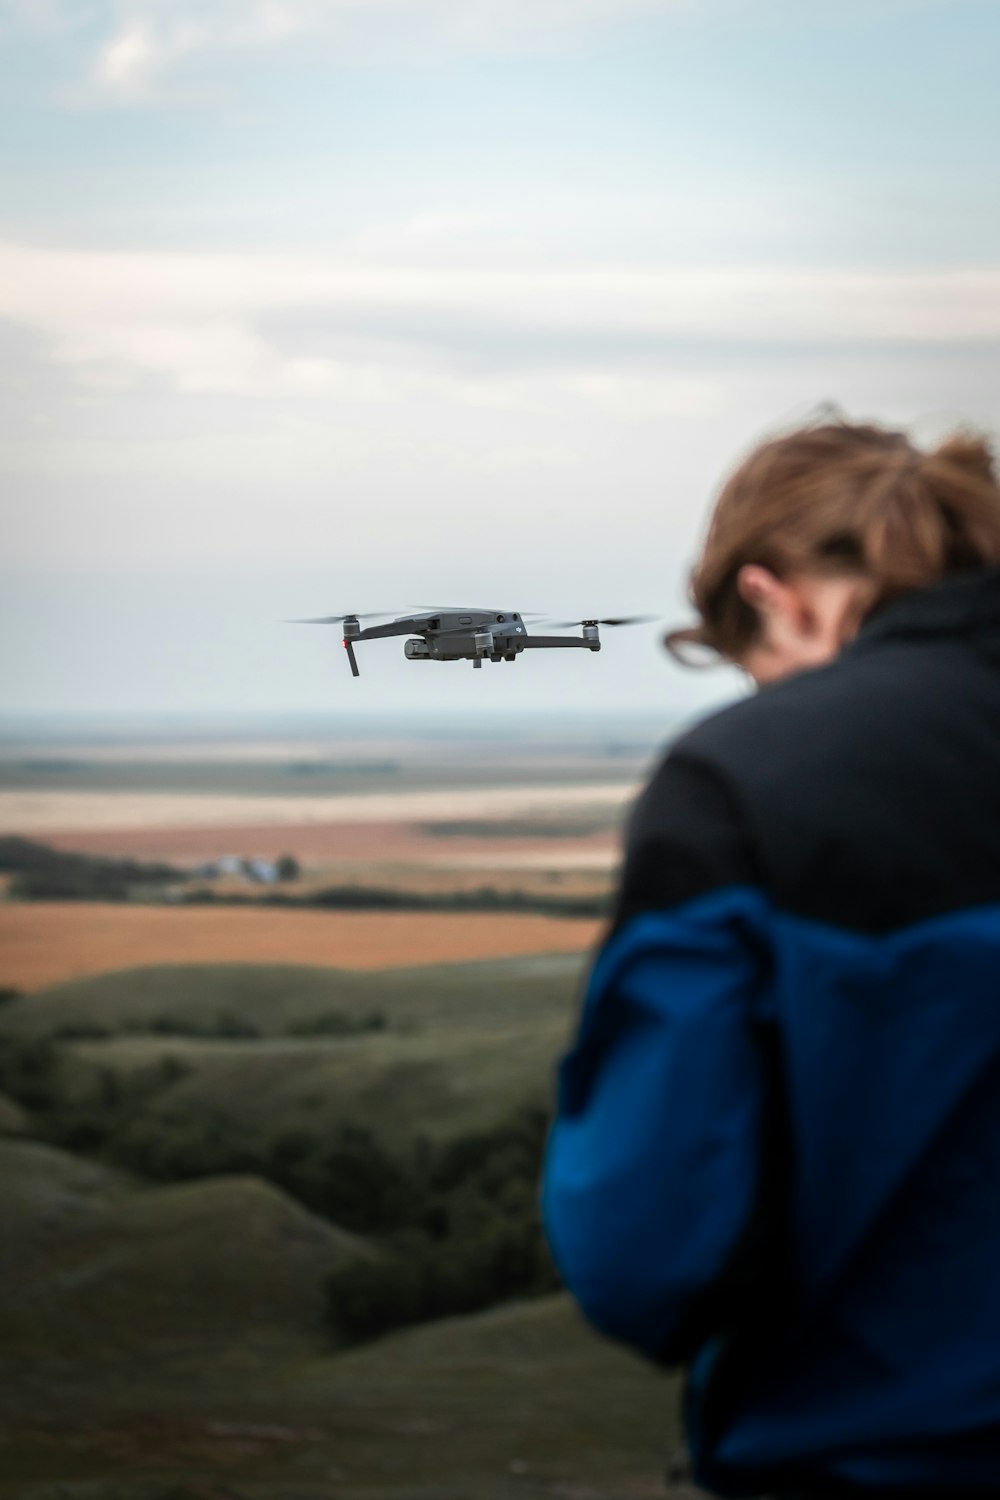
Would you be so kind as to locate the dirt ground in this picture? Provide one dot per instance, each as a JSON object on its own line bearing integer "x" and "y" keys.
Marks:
{"x": 44, "y": 943}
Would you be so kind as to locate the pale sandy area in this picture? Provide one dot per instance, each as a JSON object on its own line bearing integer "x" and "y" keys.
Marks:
{"x": 225, "y": 751}
{"x": 537, "y": 858}
{"x": 39, "y": 813}
{"x": 48, "y": 942}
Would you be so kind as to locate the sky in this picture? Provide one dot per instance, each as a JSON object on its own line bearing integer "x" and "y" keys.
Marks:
{"x": 312, "y": 307}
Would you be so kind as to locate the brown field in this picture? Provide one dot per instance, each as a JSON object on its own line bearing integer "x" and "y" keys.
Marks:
{"x": 397, "y": 842}
{"x": 44, "y": 943}
{"x": 39, "y": 814}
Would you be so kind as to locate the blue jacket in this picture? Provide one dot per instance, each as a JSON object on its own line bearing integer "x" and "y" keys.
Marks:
{"x": 776, "y": 1156}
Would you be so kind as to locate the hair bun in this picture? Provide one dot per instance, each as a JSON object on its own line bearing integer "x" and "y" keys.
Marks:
{"x": 971, "y": 452}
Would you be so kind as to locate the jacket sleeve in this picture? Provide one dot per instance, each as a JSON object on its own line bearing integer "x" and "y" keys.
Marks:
{"x": 653, "y": 1164}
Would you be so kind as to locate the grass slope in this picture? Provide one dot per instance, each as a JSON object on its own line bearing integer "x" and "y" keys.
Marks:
{"x": 398, "y": 1087}
{"x": 522, "y": 1403}
{"x": 463, "y": 1045}
{"x": 96, "y": 1265}
{"x": 13, "y": 1119}
{"x": 276, "y": 997}
{"x": 168, "y": 1343}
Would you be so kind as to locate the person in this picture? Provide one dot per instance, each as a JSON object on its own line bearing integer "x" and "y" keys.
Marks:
{"x": 776, "y": 1151}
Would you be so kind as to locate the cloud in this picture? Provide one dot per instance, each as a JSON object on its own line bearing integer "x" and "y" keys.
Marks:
{"x": 273, "y": 324}
{"x": 145, "y": 39}
{"x": 150, "y": 38}
{"x": 142, "y": 42}
{"x": 130, "y": 59}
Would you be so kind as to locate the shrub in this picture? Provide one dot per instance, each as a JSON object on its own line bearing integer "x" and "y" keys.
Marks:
{"x": 44, "y": 874}
{"x": 421, "y": 1279}
{"x": 338, "y": 1023}
{"x": 226, "y": 1026}
{"x": 81, "y": 1031}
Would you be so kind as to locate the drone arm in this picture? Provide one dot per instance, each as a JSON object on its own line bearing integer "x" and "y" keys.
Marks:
{"x": 394, "y": 627}
{"x": 549, "y": 642}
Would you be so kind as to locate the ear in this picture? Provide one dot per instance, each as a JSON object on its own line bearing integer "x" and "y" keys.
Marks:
{"x": 762, "y": 589}
{"x": 782, "y": 604}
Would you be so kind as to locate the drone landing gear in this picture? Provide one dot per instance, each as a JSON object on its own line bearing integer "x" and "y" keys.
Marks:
{"x": 477, "y": 661}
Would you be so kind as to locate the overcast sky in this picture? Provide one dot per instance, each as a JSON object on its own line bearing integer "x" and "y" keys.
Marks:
{"x": 310, "y": 305}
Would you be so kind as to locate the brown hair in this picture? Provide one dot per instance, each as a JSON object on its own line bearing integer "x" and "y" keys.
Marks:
{"x": 840, "y": 497}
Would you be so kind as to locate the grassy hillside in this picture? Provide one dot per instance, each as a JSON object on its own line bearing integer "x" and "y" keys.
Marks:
{"x": 179, "y": 1341}
{"x": 13, "y": 1119}
{"x": 275, "y": 999}
{"x": 417, "y": 1118}
{"x": 168, "y": 1344}
{"x": 400, "y": 1088}
{"x": 522, "y": 1403}
{"x": 96, "y": 1262}
{"x": 253, "y": 1054}
{"x": 230, "y": 1060}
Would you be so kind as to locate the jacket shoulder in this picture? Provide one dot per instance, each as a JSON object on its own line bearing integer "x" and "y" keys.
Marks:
{"x": 867, "y": 789}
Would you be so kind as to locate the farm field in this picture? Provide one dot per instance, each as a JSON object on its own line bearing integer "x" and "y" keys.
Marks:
{"x": 49, "y": 812}
{"x": 46, "y": 942}
{"x": 434, "y": 815}
{"x": 386, "y": 841}
{"x": 89, "y": 789}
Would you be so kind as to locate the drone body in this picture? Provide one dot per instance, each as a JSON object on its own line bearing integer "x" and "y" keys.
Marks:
{"x": 452, "y": 634}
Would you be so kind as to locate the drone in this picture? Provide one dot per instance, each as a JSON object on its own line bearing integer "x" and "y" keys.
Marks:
{"x": 476, "y": 635}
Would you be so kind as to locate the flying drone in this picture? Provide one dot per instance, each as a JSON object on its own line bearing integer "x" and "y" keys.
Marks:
{"x": 476, "y": 635}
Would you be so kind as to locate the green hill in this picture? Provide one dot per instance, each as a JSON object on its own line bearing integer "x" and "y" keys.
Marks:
{"x": 425, "y": 1134}
{"x": 13, "y": 1119}
{"x": 158, "y": 1054}
{"x": 522, "y": 1403}
{"x": 175, "y": 1342}
{"x": 96, "y": 1265}
{"x": 276, "y": 999}
{"x": 398, "y": 1087}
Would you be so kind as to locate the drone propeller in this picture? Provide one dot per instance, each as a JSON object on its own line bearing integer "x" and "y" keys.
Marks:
{"x": 617, "y": 620}
{"x": 469, "y": 609}
{"x": 372, "y": 614}
{"x": 449, "y": 609}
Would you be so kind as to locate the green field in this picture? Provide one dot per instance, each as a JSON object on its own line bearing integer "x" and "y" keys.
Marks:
{"x": 185, "y": 1252}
